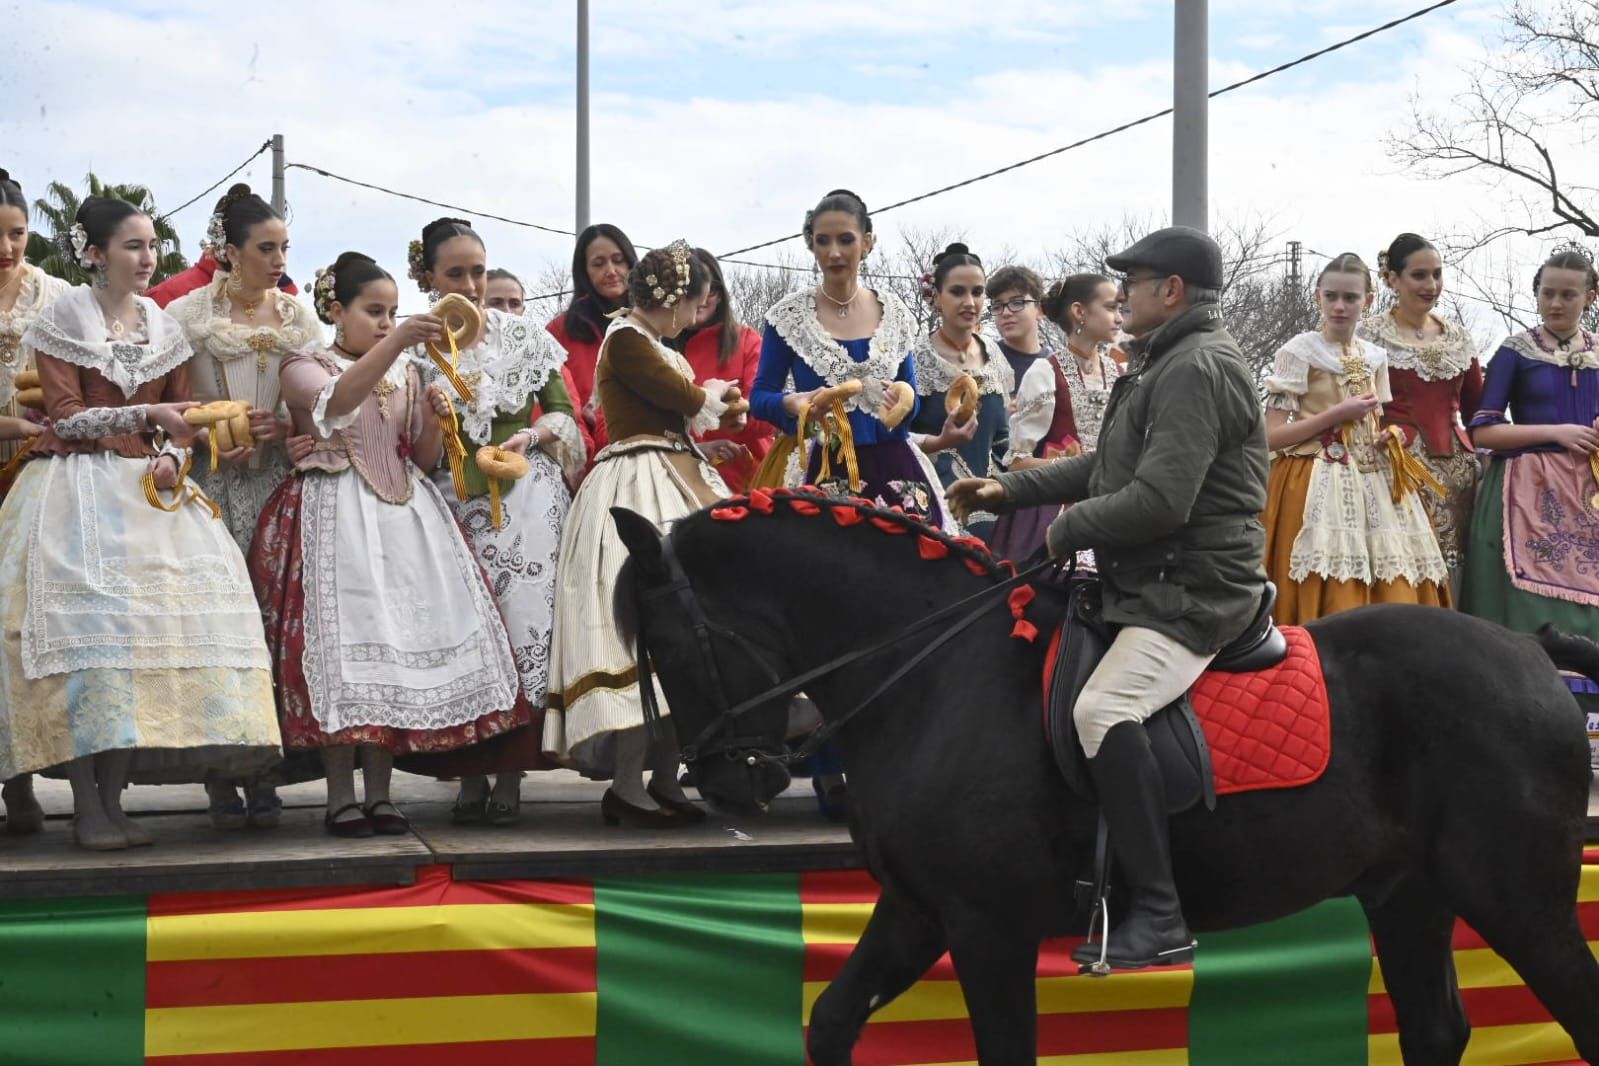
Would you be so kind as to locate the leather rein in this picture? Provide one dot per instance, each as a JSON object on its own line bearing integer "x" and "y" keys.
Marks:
{"x": 753, "y": 750}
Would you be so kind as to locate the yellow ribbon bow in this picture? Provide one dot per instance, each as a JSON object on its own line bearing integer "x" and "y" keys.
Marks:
{"x": 1409, "y": 474}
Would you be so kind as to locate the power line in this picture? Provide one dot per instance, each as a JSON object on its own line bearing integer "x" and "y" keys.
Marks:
{"x": 210, "y": 188}
{"x": 425, "y": 200}
{"x": 1134, "y": 123}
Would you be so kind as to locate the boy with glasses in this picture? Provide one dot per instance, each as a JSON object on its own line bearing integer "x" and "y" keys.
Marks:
{"x": 1015, "y": 294}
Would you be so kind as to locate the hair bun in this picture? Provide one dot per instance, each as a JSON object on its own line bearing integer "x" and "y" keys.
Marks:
{"x": 957, "y": 248}
{"x": 851, "y": 193}
{"x": 347, "y": 258}
{"x": 238, "y": 188}
{"x": 5, "y": 175}
{"x": 436, "y": 223}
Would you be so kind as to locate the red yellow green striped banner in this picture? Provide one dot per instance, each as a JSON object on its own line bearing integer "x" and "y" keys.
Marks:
{"x": 666, "y": 970}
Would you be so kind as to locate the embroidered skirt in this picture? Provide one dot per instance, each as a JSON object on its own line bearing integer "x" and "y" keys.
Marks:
{"x": 894, "y": 474}
{"x": 381, "y": 628}
{"x": 114, "y": 652}
{"x": 1450, "y": 515}
{"x": 594, "y": 675}
{"x": 1336, "y": 540}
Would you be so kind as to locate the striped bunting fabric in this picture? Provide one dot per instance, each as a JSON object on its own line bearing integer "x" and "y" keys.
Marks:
{"x": 665, "y": 970}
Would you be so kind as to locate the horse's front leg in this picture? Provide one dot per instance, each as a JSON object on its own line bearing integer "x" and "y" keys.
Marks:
{"x": 898, "y": 945}
{"x": 997, "y": 965}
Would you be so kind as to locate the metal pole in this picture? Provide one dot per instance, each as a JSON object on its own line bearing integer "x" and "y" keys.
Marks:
{"x": 277, "y": 173}
{"x": 582, "y": 115}
{"x": 1190, "y": 156}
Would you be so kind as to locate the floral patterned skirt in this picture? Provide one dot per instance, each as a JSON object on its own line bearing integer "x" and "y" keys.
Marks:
{"x": 892, "y": 475}
{"x": 277, "y": 568}
{"x": 1450, "y": 515}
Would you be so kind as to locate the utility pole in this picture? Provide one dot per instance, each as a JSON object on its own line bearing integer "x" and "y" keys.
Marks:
{"x": 1296, "y": 264}
{"x": 278, "y": 199}
{"x": 1190, "y": 156}
{"x": 582, "y": 115}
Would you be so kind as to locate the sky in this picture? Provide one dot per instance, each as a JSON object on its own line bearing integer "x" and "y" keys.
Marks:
{"x": 723, "y": 120}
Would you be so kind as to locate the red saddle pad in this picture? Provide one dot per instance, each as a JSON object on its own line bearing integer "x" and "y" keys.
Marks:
{"x": 1271, "y": 728}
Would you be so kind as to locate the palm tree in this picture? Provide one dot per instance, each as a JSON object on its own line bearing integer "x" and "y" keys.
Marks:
{"x": 57, "y": 210}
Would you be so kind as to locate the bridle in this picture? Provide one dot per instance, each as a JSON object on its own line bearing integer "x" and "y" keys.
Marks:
{"x": 753, "y": 750}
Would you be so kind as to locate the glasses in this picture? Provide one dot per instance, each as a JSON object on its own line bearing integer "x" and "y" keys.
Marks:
{"x": 1126, "y": 284}
{"x": 1014, "y": 307}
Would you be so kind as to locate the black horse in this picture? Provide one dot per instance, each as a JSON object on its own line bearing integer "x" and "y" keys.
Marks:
{"x": 1458, "y": 783}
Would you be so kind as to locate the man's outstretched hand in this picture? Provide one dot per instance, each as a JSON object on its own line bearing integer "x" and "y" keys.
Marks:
{"x": 971, "y": 494}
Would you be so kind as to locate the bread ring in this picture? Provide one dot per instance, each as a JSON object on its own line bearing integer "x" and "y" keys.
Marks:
{"x": 33, "y": 398}
{"x": 898, "y": 402}
{"x": 961, "y": 399}
{"x": 461, "y": 318}
{"x": 497, "y": 462}
{"x": 736, "y": 403}
{"x": 825, "y": 398}
{"x": 228, "y": 420}
{"x": 26, "y": 379}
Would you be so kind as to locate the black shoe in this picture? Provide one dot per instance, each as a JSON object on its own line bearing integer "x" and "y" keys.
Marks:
{"x": 1132, "y": 796}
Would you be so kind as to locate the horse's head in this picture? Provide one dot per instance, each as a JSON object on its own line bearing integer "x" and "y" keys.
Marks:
{"x": 687, "y": 634}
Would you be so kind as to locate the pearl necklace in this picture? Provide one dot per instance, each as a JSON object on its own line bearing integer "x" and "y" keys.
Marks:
{"x": 842, "y": 305}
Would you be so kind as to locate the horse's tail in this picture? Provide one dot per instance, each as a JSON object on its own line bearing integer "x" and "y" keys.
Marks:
{"x": 1569, "y": 651}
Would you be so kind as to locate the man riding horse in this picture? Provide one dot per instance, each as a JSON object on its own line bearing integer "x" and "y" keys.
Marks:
{"x": 1170, "y": 503}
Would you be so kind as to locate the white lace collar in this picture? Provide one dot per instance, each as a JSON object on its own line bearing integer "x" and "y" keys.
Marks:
{"x": 1448, "y": 356}
{"x": 934, "y": 373}
{"x": 1323, "y": 354}
{"x": 72, "y": 329}
{"x": 794, "y": 318}
{"x": 511, "y": 362}
{"x": 1583, "y": 355}
{"x": 337, "y": 362}
{"x": 206, "y": 316}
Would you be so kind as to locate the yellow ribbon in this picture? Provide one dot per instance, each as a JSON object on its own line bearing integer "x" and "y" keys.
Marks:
{"x": 450, "y": 367}
{"x": 846, "y": 446}
{"x": 1593, "y": 465}
{"x": 1409, "y": 473}
{"x": 14, "y": 464}
{"x": 494, "y": 503}
{"x": 182, "y": 494}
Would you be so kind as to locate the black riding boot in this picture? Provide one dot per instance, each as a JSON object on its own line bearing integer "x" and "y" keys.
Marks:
{"x": 1132, "y": 796}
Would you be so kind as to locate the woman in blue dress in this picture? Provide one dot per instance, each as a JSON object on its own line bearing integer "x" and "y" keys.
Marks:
{"x": 839, "y": 332}
{"x": 1535, "y": 527}
{"x": 956, "y": 289}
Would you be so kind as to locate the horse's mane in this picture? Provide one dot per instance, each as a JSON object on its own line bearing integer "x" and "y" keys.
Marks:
{"x": 762, "y": 505}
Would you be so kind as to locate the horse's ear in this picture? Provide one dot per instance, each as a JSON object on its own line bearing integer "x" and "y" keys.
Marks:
{"x": 643, "y": 540}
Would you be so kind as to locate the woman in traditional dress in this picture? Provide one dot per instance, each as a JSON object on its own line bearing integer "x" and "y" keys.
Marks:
{"x": 1061, "y": 400}
{"x": 505, "y": 292}
{"x": 838, "y": 332}
{"x": 1535, "y": 529}
{"x": 1336, "y": 537}
{"x": 240, "y": 326}
{"x": 652, "y": 467}
{"x": 384, "y": 635}
{"x": 719, "y": 347}
{"x": 601, "y": 260}
{"x": 1437, "y": 383}
{"x": 24, "y": 292}
{"x": 955, "y": 288}
{"x": 127, "y": 615}
{"x": 511, "y": 367}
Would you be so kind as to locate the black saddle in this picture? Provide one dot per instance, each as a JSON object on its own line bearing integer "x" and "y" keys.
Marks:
{"x": 1174, "y": 731}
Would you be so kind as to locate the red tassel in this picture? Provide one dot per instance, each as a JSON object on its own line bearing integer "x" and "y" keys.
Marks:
{"x": 1024, "y": 630}
{"x": 1019, "y": 598}
{"x": 930, "y": 548}
{"x": 847, "y": 516}
{"x": 730, "y": 514}
{"x": 976, "y": 566}
{"x": 888, "y": 525}
{"x": 761, "y": 500}
{"x": 804, "y": 507}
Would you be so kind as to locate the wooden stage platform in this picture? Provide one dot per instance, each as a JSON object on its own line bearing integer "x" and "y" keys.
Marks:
{"x": 560, "y": 836}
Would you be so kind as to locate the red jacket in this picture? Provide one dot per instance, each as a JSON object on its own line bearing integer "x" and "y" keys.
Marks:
{"x": 701, "y": 353}
{"x": 198, "y": 276}
{"x": 581, "y": 359}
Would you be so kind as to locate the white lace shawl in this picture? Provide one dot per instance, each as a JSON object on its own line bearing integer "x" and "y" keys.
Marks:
{"x": 1448, "y": 356}
{"x": 205, "y": 317}
{"x": 934, "y": 373}
{"x": 36, "y": 291}
{"x": 1524, "y": 343}
{"x": 794, "y": 318}
{"x": 511, "y": 363}
{"x": 64, "y": 330}
{"x": 1290, "y": 374}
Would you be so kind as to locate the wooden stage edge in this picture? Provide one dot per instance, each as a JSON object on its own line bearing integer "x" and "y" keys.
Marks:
{"x": 560, "y": 836}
